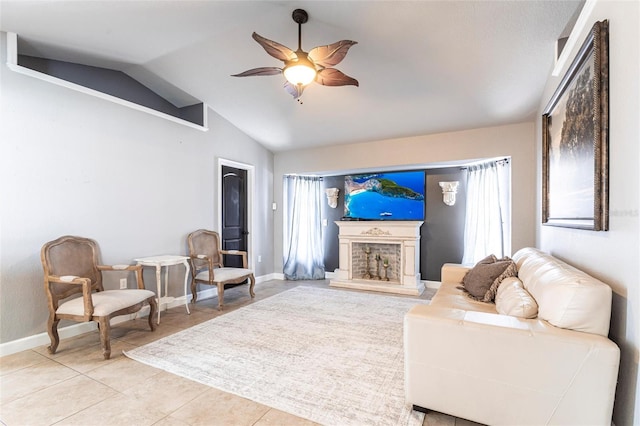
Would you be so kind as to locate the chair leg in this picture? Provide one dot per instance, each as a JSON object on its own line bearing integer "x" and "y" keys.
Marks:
{"x": 105, "y": 335}
{"x": 153, "y": 307}
{"x": 252, "y": 283}
{"x": 194, "y": 291}
{"x": 220, "y": 295}
{"x": 52, "y": 329}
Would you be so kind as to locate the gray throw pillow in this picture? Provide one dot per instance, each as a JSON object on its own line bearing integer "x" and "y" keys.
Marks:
{"x": 482, "y": 281}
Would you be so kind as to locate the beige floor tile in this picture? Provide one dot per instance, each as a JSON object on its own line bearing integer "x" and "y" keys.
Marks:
{"x": 216, "y": 407}
{"x": 180, "y": 319}
{"x": 277, "y": 418}
{"x": 170, "y": 421}
{"x": 167, "y": 391}
{"x": 137, "y": 325}
{"x": 71, "y": 344}
{"x": 142, "y": 337}
{"x": 465, "y": 422}
{"x": 429, "y": 293}
{"x": 56, "y": 402}
{"x": 31, "y": 379}
{"x": 24, "y": 359}
{"x": 120, "y": 409}
{"x": 91, "y": 357}
{"x": 433, "y": 418}
{"x": 123, "y": 374}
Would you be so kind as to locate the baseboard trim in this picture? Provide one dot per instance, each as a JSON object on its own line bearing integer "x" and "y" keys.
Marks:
{"x": 432, "y": 284}
{"x": 277, "y": 276}
{"x": 42, "y": 339}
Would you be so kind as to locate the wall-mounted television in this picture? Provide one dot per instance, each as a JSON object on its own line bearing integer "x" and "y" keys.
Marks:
{"x": 384, "y": 196}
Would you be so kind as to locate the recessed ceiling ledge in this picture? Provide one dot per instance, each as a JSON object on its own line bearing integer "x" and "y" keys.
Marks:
{"x": 199, "y": 121}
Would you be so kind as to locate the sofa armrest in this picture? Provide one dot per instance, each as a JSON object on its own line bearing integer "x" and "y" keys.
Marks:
{"x": 464, "y": 362}
{"x": 453, "y": 272}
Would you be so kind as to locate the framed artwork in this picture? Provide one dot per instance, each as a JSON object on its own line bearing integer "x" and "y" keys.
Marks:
{"x": 575, "y": 140}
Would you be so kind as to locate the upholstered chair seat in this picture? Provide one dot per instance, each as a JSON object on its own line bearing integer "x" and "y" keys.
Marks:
{"x": 224, "y": 274}
{"x": 106, "y": 302}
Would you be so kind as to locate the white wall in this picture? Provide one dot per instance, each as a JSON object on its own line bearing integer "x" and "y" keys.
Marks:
{"x": 516, "y": 141}
{"x": 74, "y": 164}
{"x": 612, "y": 256}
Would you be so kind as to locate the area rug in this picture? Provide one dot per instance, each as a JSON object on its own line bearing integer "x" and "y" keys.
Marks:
{"x": 331, "y": 356}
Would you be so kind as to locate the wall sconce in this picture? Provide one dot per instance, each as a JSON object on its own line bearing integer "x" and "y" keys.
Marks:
{"x": 332, "y": 197}
{"x": 449, "y": 191}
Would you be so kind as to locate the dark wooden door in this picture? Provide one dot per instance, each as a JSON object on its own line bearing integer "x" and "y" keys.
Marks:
{"x": 234, "y": 213}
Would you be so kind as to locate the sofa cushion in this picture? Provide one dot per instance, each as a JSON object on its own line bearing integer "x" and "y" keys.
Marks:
{"x": 566, "y": 297}
{"x": 482, "y": 281}
{"x": 450, "y": 296}
{"x": 512, "y": 299}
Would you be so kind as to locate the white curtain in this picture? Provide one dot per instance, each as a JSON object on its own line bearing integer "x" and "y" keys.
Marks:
{"x": 487, "y": 218}
{"x": 303, "y": 249}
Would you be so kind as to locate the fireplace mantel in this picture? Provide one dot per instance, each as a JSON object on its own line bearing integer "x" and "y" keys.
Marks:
{"x": 396, "y": 242}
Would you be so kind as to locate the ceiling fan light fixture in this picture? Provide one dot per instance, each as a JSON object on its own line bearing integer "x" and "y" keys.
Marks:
{"x": 300, "y": 72}
{"x": 302, "y": 68}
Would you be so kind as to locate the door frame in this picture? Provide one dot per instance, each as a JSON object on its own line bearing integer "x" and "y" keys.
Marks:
{"x": 250, "y": 197}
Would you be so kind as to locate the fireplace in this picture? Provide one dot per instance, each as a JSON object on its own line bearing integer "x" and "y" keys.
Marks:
{"x": 380, "y": 256}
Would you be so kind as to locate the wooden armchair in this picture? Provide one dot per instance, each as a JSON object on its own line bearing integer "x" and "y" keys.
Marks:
{"x": 71, "y": 267}
{"x": 205, "y": 255}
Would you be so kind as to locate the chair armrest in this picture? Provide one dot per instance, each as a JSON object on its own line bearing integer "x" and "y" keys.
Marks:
{"x": 65, "y": 279}
{"x": 237, "y": 253}
{"x": 200, "y": 262}
{"x": 136, "y": 268}
{"x": 86, "y": 290}
{"x": 196, "y": 259}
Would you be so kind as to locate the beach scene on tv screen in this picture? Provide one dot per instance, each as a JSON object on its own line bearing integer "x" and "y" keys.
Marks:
{"x": 385, "y": 196}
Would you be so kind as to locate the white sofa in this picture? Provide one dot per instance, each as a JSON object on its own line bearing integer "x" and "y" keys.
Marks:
{"x": 465, "y": 359}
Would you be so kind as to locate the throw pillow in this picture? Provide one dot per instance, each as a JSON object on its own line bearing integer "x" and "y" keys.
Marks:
{"x": 482, "y": 281}
{"x": 512, "y": 299}
{"x": 510, "y": 271}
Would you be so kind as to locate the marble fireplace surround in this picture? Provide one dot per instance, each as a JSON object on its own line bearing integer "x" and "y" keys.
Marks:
{"x": 396, "y": 241}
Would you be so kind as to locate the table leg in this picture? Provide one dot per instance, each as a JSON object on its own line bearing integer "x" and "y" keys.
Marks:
{"x": 166, "y": 285}
{"x": 186, "y": 280}
{"x": 159, "y": 288}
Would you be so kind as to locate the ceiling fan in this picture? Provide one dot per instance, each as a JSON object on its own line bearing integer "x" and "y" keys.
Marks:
{"x": 301, "y": 68}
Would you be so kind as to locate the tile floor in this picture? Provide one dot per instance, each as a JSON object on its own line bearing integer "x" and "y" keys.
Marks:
{"x": 77, "y": 387}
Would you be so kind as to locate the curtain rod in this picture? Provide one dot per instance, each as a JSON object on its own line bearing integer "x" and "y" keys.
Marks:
{"x": 500, "y": 162}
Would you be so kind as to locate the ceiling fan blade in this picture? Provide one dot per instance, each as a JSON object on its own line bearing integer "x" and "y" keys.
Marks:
{"x": 332, "y": 54}
{"x": 259, "y": 71}
{"x": 274, "y": 49}
{"x": 294, "y": 90}
{"x": 333, "y": 77}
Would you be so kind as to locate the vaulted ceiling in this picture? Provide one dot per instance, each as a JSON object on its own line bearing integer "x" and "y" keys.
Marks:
{"x": 423, "y": 66}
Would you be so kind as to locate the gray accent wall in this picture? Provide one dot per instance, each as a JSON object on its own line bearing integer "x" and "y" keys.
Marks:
{"x": 330, "y": 231}
{"x": 443, "y": 229}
